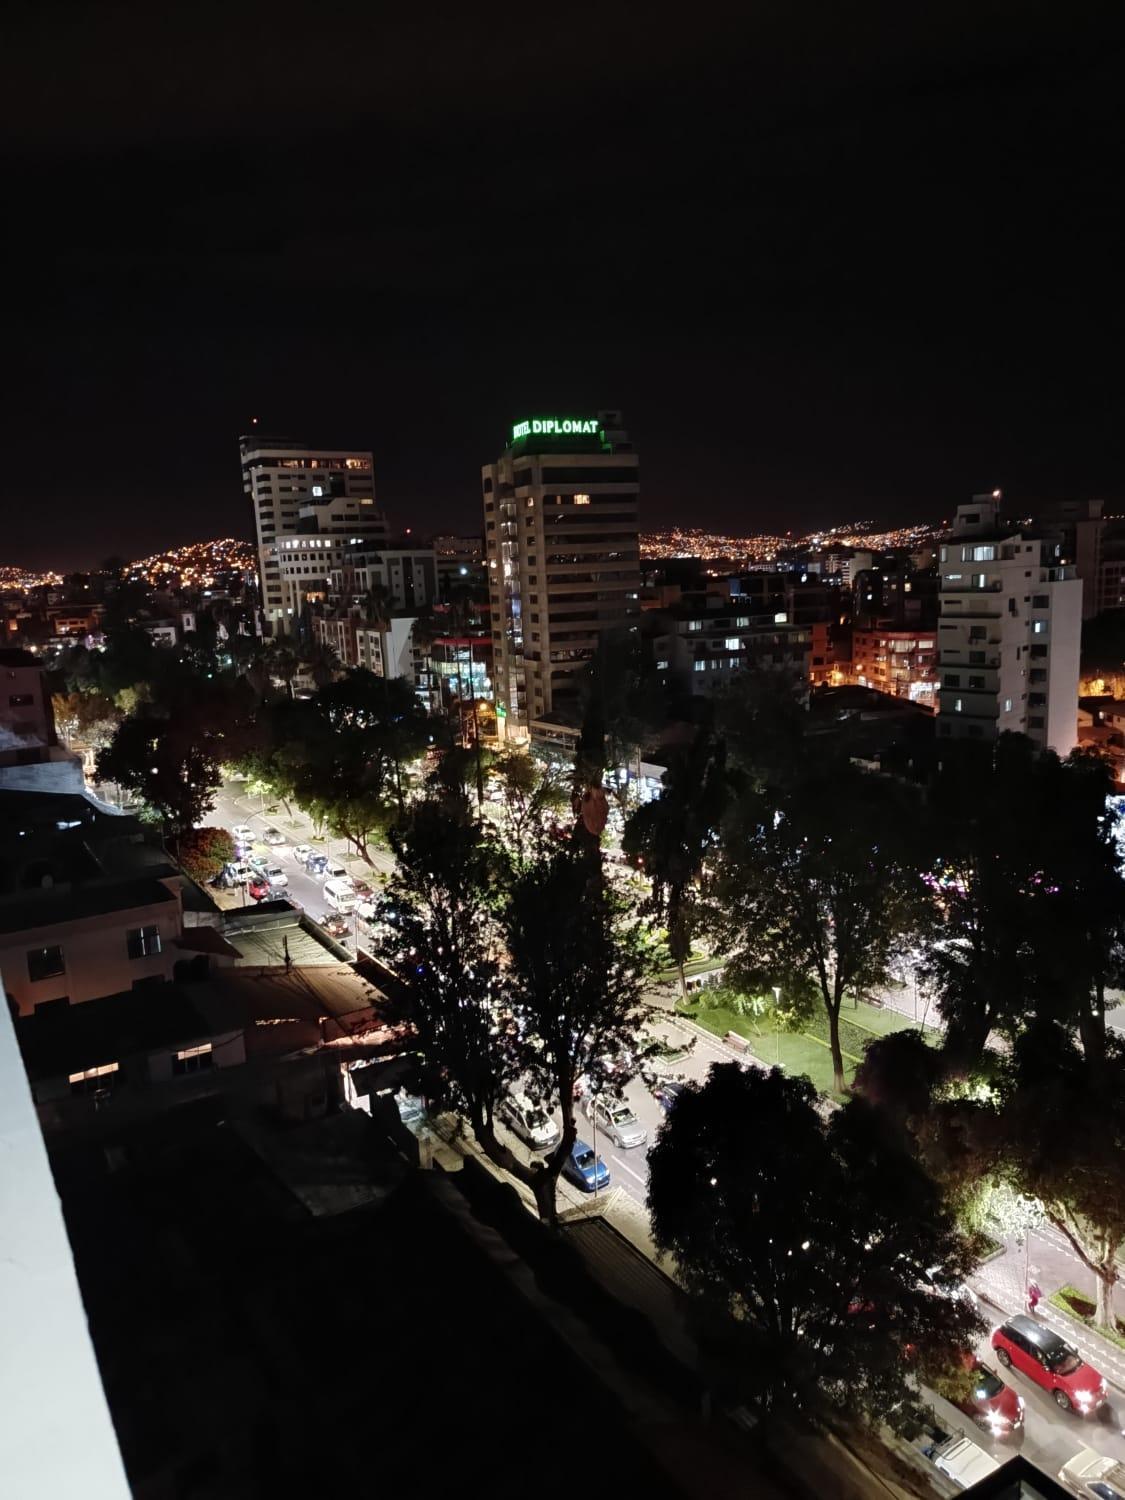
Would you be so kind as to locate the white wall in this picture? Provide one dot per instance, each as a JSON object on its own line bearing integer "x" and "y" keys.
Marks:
{"x": 95, "y": 952}
{"x": 56, "y": 1435}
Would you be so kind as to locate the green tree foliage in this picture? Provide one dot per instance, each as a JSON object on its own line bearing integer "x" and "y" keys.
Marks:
{"x": 168, "y": 764}
{"x": 574, "y": 984}
{"x": 1029, "y": 894}
{"x": 673, "y": 835}
{"x": 820, "y": 883}
{"x": 205, "y": 852}
{"x": 534, "y": 793}
{"x": 1062, "y": 1142}
{"x": 822, "y": 1258}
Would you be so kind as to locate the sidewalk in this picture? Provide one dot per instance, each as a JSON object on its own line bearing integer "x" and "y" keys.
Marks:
{"x": 1000, "y": 1283}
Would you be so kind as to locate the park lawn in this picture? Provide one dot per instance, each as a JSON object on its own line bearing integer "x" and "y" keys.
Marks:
{"x": 806, "y": 1052}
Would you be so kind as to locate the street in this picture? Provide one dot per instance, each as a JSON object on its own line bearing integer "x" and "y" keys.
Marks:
{"x": 1050, "y": 1437}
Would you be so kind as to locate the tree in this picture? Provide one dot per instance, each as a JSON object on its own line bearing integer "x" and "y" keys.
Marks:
{"x": 532, "y": 793}
{"x": 820, "y": 883}
{"x": 168, "y": 764}
{"x": 1029, "y": 893}
{"x": 205, "y": 852}
{"x": 439, "y": 935}
{"x": 1062, "y": 1141}
{"x": 819, "y": 1252}
{"x": 574, "y": 981}
{"x": 674, "y": 833}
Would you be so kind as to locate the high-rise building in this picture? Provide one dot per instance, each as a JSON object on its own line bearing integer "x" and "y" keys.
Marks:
{"x": 563, "y": 561}
{"x": 289, "y": 485}
{"x": 1009, "y": 633}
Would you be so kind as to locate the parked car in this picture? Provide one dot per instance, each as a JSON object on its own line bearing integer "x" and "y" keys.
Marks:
{"x": 336, "y": 924}
{"x": 277, "y": 877}
{"x": 258, "y": 888}
{"x": 1044, "y": 1356}
{"x": 340, "y": 895}
{"x": 234, "y": 874}
{"x": 364, "y": 890}
{"x": 666, "y": 1092}
{"x": 316, "y": 863}
{"x": 274, "y": 836}
{"x": 584, "y": 1169}
{"x": 532, "y": 1124}
{"x": 301, "y": 852}
{"x": 617, "y": 1120}
{"x": 991, "y": 1404}
{"x": 1093, "y": 1477}
{"x": 242, "y": 833}
{"x": 366, "y": 910}
{"x": 334, "y": 870}
{"x": 258, "y": 863}
{"x": 962, "y": 1461}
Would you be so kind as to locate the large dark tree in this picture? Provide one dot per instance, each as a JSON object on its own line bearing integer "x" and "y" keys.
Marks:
{"x": 1029, "y": 894}
{"x": 820, "y": 1251}
{"x": 574, "y": 983}
{"x": 674, "y": 834}
{"x": 821, "y": 885}
{"x": 1062, "y": 1141}
{"x": 168, "y": 764}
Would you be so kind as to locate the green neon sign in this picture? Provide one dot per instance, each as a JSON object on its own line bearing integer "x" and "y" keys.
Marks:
{"x": 556, "y": 427}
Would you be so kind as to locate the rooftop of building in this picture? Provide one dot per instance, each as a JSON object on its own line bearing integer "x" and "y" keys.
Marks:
{"x": 53, "y": 905}
{"x": 14, "y": 656}
{"x": 60, "y": 1038}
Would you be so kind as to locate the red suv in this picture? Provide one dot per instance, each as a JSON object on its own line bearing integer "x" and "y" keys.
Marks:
{"x": 1041, "y": 1354}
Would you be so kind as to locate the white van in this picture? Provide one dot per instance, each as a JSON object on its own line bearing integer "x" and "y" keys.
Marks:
{"x": 963, "y": 1462}
{"x": 1093, "y": 1477}
{"x": 340, "y": 894}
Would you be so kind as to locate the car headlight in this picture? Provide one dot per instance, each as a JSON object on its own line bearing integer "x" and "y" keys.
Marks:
{"x": 998, "y": 1422}
{"x": 1085, "y": 1399}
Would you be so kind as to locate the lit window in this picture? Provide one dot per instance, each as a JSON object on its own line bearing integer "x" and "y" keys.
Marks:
{"x": 1007, "y": 705}
{"x": 701, "y": 666}
{"x": 581, "y": 499}
{"x": 1039, "y": 627}
{"x": 143, "y": 942}
{"x": 957, "y": 705}
{"x": 742, "y": 622}
{"x": 193, "y": 1060}
{"x": 94, "y": 1080}
{"x": 661, "y": 666}
{"x": 781, "y": 619}
{"x": 732, "y": 643}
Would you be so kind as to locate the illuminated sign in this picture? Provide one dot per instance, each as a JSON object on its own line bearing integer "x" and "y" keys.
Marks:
{"x": 556, "y": 427}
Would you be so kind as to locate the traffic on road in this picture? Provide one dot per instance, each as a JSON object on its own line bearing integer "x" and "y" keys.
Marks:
{"x": 1034, "y": 1394}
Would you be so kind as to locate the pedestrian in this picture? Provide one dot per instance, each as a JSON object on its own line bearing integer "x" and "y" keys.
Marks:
{"x": 1034, "y": 1295}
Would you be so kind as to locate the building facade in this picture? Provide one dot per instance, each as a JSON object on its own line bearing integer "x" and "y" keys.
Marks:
{"x": 1009, "y": 633}
{"x": 563, "y": 561}
{"x": 703, "y": 641}
{"x": 903, "y": 663}
{"x": 281, "y": 477}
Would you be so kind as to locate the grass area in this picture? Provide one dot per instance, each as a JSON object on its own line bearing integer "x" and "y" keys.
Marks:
{"x": 1077, "y": 1305}
{"x": 805, "y": 1052}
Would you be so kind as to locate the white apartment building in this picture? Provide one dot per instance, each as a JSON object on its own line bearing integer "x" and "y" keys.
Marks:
{"x": 1009, "y": 633}
{"x": 282, "y": 478}
{"x": 563, "y": 561}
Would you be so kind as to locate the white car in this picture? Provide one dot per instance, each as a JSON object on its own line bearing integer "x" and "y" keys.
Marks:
{"x": 617, "y": 1120}
{"x": 277, "y": 877}
{"x": 532, "y": 1124}
{"x": 1093, "y": 1477}
{"x": 243, "y": 833}
{"x": 963, "y": 1462}
{"x": 301, "y": 852}
{"x": 274, "y": 836}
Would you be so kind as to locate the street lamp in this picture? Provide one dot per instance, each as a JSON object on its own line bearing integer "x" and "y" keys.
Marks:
{"x": 776, "y": 1026}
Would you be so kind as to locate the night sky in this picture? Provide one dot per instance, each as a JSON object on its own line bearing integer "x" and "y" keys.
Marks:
{"x": 833, "y": 261}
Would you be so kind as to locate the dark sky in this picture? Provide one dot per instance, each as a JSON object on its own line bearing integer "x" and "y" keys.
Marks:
{"x": 832, "y": 260}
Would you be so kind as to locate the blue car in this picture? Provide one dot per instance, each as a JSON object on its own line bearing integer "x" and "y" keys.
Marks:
{"x": 666, "y": 1093}
{"x": 584, "y": 1169}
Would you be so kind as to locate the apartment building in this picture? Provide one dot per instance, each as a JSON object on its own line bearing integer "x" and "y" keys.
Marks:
{"x": 703, "y": 640}
{"x": 563, "y": 561}
{"x": 284, "y": 478}
{"x": 903, "y": 663}
{"x": 1009, "y": 632}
